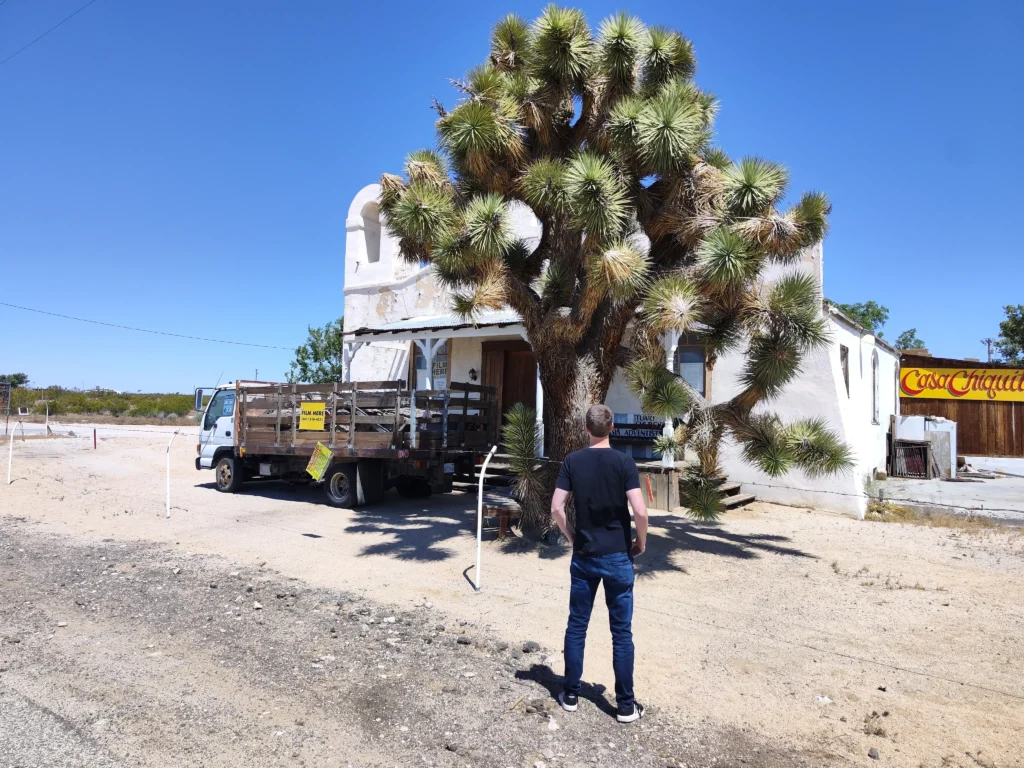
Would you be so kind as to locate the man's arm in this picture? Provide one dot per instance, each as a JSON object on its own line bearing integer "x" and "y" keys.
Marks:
{"x": 636, "y": 501}
{"x": 558, "y": 512}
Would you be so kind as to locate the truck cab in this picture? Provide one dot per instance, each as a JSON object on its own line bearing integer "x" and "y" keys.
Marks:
{"x": 216, "y": 430}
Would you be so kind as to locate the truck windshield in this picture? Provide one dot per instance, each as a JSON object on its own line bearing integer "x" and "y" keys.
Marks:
{"x": 222, "y": 404}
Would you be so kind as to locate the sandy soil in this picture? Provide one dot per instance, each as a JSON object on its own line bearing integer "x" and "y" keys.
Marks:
{"x": 792, "y": 627}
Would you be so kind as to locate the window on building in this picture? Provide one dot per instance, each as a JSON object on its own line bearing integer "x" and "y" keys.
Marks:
{"x": 371, "y": 231}
{"x": 844, "y": 361}
{"x": 874, "y": 387}
{"x": 418, "y": 377}
{"x": 690, "y": 366}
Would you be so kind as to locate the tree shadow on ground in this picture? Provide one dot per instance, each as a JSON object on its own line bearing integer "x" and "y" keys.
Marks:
{"x": 418, "y": 528}
{"x": 670, "y": 537}
{"x": 544, "y": 676}
{"x": 677, "y": 535}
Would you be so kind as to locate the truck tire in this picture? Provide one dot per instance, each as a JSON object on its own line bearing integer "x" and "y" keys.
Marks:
{"x": 228, "y": 474}
{"x": 340, "y": 485}
{"x": 409, "y": 487}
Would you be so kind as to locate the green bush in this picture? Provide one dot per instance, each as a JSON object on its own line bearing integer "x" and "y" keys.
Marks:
{"x": 64, "y": 401}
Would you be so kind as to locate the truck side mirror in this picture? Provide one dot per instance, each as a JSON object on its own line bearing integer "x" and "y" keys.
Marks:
{"x": 199, "y": 400}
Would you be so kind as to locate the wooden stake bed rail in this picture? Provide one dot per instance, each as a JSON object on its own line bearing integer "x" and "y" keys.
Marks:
{"x": 373, "y": 419}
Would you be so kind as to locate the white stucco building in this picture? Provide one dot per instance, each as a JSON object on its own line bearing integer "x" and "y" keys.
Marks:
{"x": 399, "y": 325}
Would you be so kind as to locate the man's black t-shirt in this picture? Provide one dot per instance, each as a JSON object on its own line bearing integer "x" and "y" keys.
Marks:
{"x": 598, "y": 479}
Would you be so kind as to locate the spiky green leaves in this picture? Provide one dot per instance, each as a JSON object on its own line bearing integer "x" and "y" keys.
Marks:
{"x": 488, "y": 291}
{"x": 793, "y": 306}
{"x": 426, "y": 166}
{"x": 726, "y": 260}
{"x": 669, "y": 128}
{"x": 668, "y": 56}
{"x": 510, "y": 39}
{"x": 543, "y": 187}
{"x": 521, "y": 438}
{"x": 619, "y": 271}
{"x": 487, "y": 225}
{"x": 624, "y": 126}
{"x": 811, "y": 217}
{"x": 422, "y": 213}
{"x": 817, "y": 449}
{"x": 486, "y": 81}
{"x": 621, "y": 44}
{"x": 776, "y": 448}
{"x": 700, "y": 492}
{"x": 772, "y": 361}
{"x": 717, "y": 158}
{"x": 753, "y": 185}
{"x": 661, "y": 392}
{"x": 478, "y": 133}
{"x": 673, "y": 304}
{"x": 563, "y": 49}
{"x": 597, "y": 201}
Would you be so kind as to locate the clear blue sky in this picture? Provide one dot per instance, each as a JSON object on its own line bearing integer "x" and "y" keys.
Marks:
{"x": 187, "y": 166}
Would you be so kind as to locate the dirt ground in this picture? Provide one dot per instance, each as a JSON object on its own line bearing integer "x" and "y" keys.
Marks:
{"x": 795, "y": 633}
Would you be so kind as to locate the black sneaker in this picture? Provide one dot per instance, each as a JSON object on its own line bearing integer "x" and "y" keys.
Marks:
{"x": 636, "y": 714}
{"x": 568, "y": 701}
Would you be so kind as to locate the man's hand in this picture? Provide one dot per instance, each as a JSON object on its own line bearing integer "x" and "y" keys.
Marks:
{"x": 639, "y": 547}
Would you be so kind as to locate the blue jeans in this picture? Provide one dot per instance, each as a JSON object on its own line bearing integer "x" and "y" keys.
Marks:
{"x": 616, "y": 571}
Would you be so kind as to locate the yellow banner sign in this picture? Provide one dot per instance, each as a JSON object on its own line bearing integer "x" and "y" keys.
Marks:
{"x": 319, "y": 461}
{"x": 998, "y": 384}
{"x": 312, "y": 416}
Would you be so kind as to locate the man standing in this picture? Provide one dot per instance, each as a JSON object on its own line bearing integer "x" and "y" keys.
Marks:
{"x": 601, "y": 480}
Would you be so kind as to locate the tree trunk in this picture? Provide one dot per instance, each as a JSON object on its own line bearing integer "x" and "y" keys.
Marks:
{"x": 571, "y": 385}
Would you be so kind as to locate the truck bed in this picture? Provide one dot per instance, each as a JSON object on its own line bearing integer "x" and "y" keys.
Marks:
{"x": 373, "y": 419}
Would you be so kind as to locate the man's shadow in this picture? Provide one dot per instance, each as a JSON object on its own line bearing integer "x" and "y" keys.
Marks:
{"x": 544, "y": 676}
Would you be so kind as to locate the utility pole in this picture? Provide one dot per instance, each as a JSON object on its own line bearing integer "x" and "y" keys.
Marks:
{"x": 988, "y": 343}
{"x": 257, "y": 374}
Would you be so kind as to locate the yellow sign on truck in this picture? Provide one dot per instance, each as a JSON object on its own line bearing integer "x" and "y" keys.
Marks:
{"x": 312, "y": 415}
{"x": 319, "y": 461}
{"x": 999, "y": 384}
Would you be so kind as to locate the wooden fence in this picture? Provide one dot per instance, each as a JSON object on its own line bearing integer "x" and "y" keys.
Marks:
{"x": 983, "y": 428}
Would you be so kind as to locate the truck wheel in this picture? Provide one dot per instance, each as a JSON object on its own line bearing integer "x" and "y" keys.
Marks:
{"x": 228, "y": 474}
{"x": 412, "y": 487}
{"x": 340, "y": 485}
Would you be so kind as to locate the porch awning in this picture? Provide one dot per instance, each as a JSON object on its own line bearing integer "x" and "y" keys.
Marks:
{"x": 503, "y": 323}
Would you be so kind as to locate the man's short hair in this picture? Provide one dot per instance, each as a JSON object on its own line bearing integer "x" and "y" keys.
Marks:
{"x": 599, "y": 420}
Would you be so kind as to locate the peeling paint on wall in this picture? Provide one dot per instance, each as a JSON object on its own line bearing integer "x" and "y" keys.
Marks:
{"x": 426, "y": 290}
{"x": 386, "y": 301}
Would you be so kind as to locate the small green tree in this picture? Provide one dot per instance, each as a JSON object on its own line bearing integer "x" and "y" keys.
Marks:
{"x": 1011, "y": 335}
{"x": 319, "y": 360}
{"x": 647, "y": 228}
{"x": 870, "y": 314}
{"x": 909, "y": 340}
{"x": 14, "y": 379}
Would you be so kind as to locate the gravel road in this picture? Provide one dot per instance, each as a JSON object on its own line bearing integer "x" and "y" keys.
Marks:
{"x": 126, "y": 654}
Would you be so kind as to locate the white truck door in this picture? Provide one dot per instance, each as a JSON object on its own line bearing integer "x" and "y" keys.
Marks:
{"x": 218, "y": 426}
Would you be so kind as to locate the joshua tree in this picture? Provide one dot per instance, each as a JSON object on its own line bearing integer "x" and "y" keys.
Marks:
{"x": 648, "y": 228}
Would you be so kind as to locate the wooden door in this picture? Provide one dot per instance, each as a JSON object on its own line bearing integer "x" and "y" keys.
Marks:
{"x": 519, "y": 380}
{"x": 493, "y": 369}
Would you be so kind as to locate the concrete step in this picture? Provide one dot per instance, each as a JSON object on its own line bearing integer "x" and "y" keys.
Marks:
{"x": 738, "y": 500}
{"x": 729, "y": 488}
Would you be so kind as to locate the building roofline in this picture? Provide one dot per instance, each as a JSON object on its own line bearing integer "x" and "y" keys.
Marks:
{"x": 879, "y": 342}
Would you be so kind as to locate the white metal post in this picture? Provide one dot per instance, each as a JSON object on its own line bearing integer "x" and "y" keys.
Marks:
{"x": 428, "y": 355}
{"x": 10, "y": 456}
{"x": 670, "y": 341}
{"x": 169, "y": 472}
{"x": 540, "y": 415}
{"x": 480, "y": 515}
{"x": 10, "y": 448}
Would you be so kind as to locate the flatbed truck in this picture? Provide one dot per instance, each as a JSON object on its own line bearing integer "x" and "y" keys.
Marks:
{"x": 373, "y": 435}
